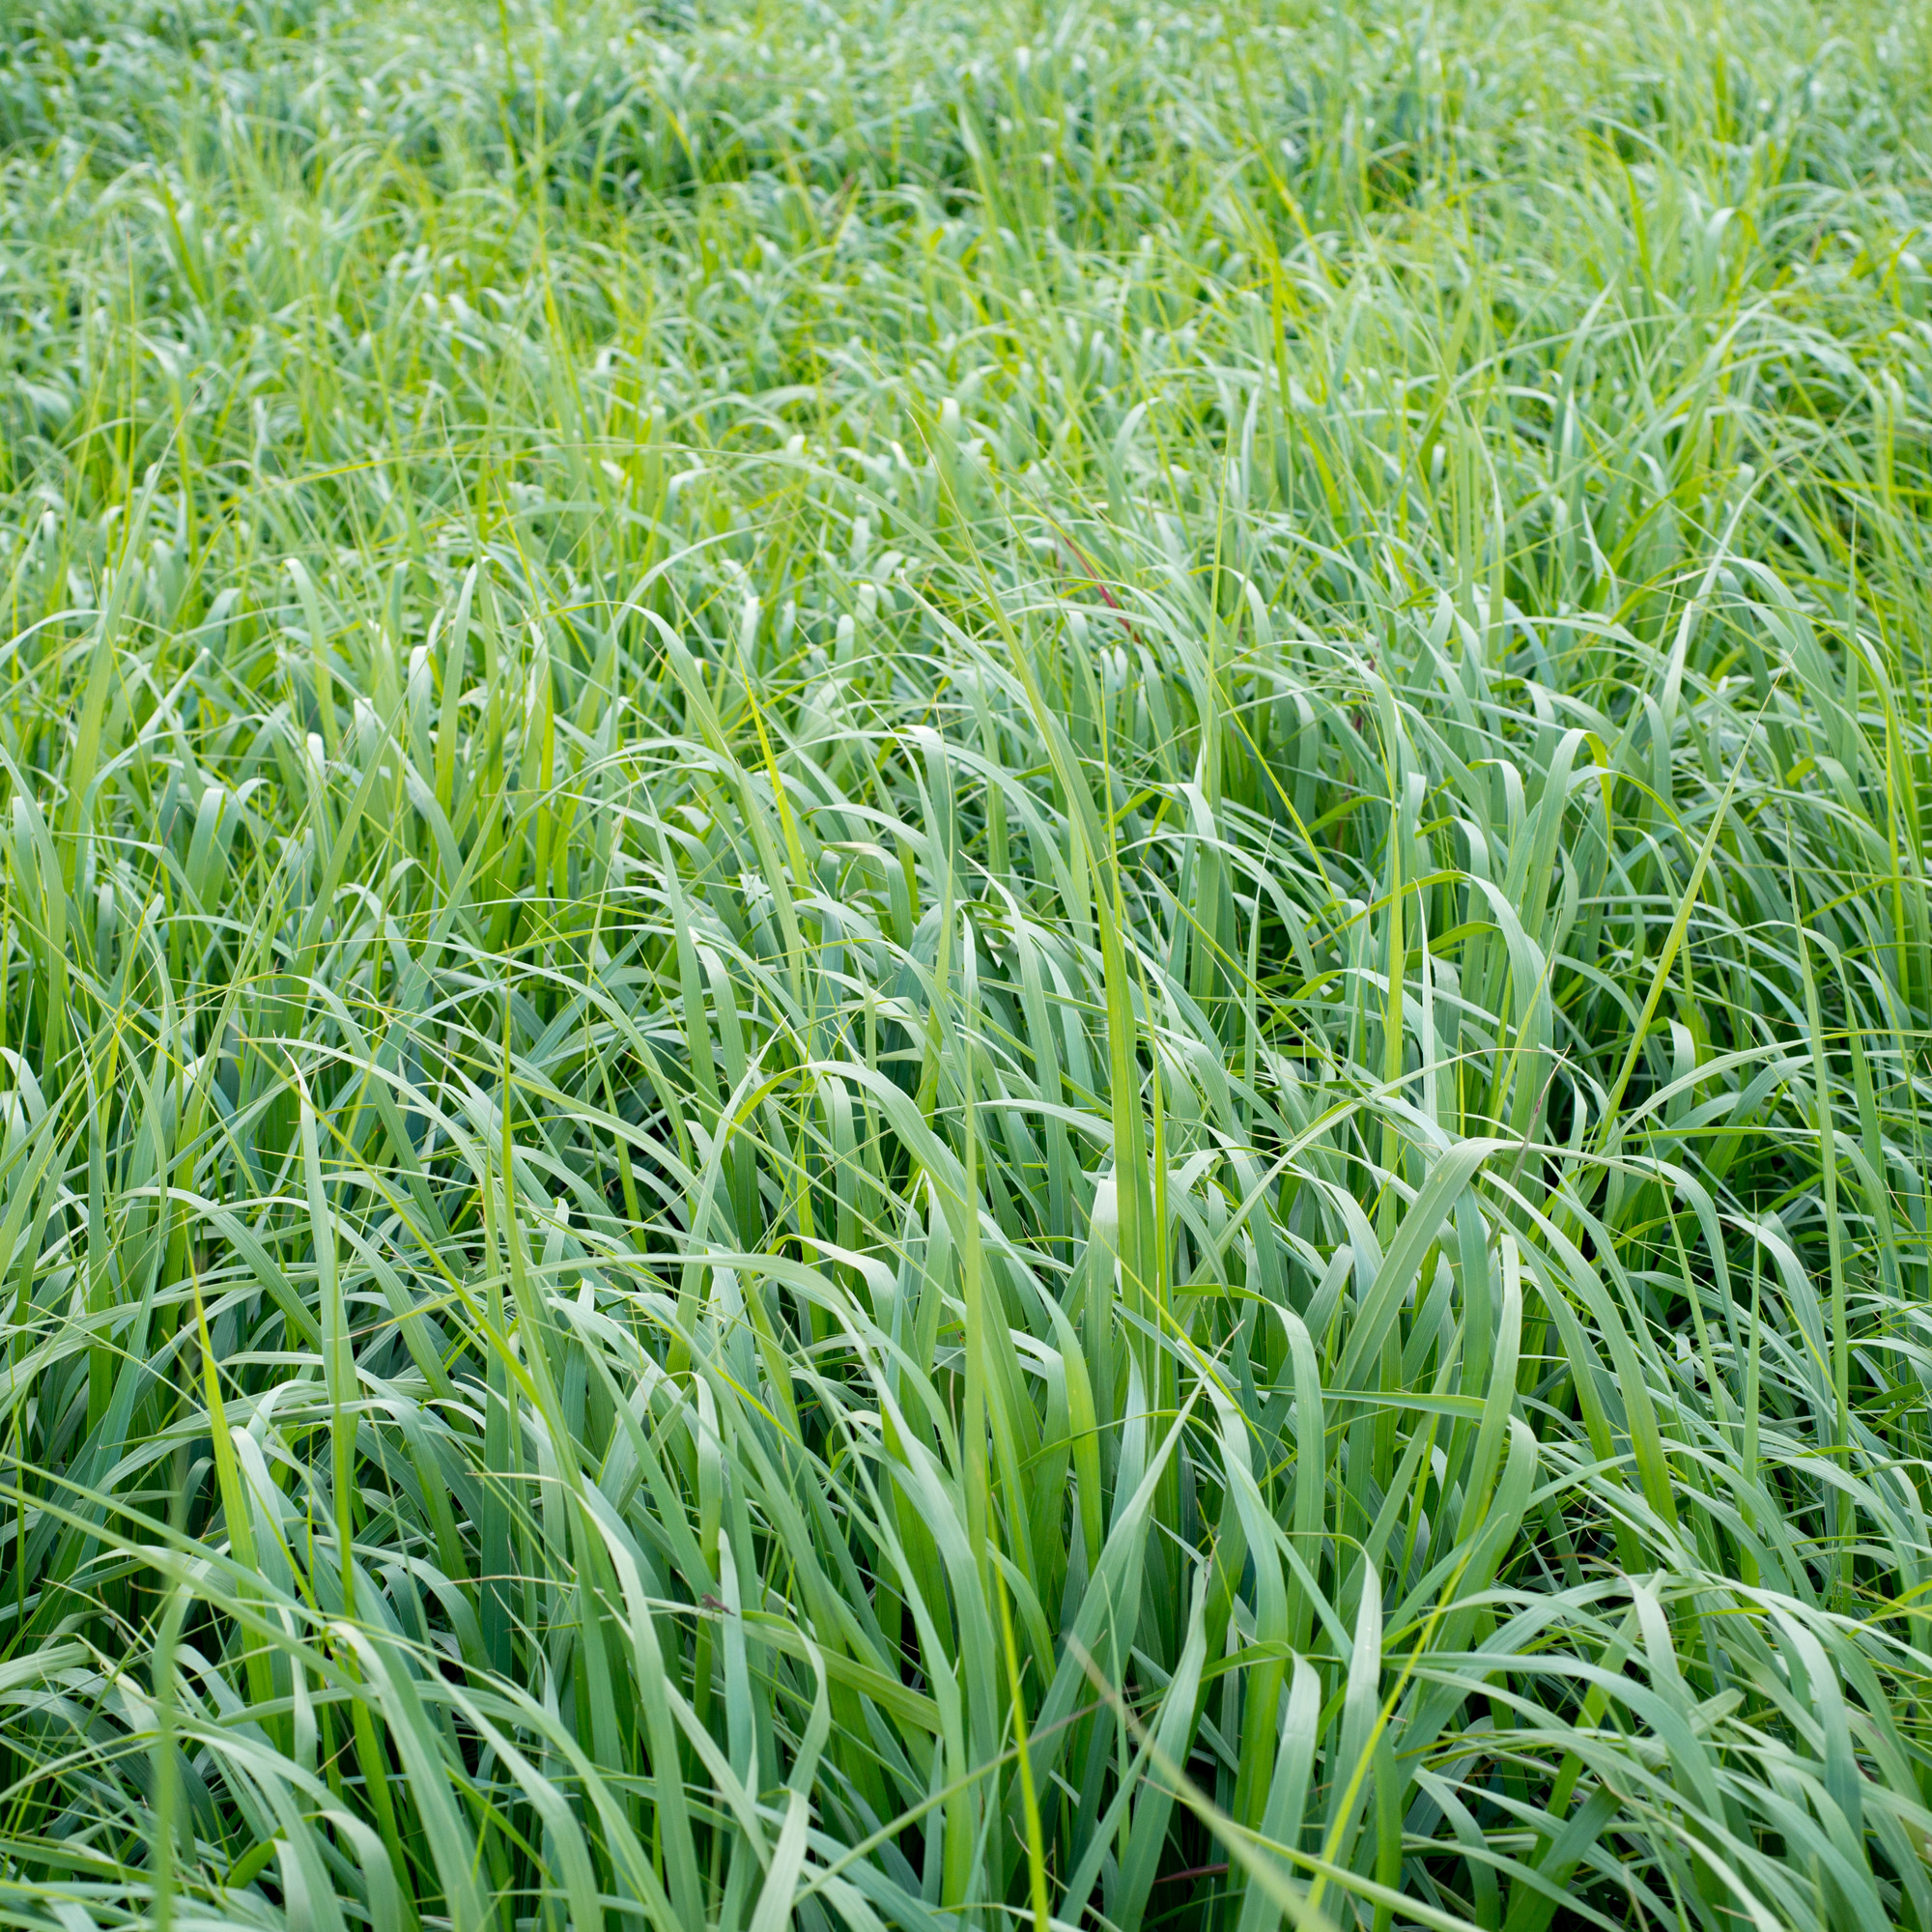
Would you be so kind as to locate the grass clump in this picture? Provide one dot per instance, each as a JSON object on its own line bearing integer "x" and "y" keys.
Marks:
{"x": 965, "y": 967}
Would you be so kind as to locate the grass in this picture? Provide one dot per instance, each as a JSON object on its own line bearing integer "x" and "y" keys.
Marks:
{"x": 965, "y": 967}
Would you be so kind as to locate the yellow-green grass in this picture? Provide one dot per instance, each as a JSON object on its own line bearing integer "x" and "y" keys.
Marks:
{"x": 964, "y": 966}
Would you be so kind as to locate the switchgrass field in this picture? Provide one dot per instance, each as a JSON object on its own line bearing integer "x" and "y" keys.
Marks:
{"x": 965, "y": 967}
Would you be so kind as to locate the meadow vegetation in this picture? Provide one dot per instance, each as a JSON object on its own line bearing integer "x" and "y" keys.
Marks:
{"x": 965, "y": 966}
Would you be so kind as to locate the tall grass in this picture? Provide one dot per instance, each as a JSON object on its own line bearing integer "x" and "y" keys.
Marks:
{"x": 965, "y": 966}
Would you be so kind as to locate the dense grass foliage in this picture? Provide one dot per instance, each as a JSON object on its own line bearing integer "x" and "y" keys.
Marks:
{"x": 964, "y": 966}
